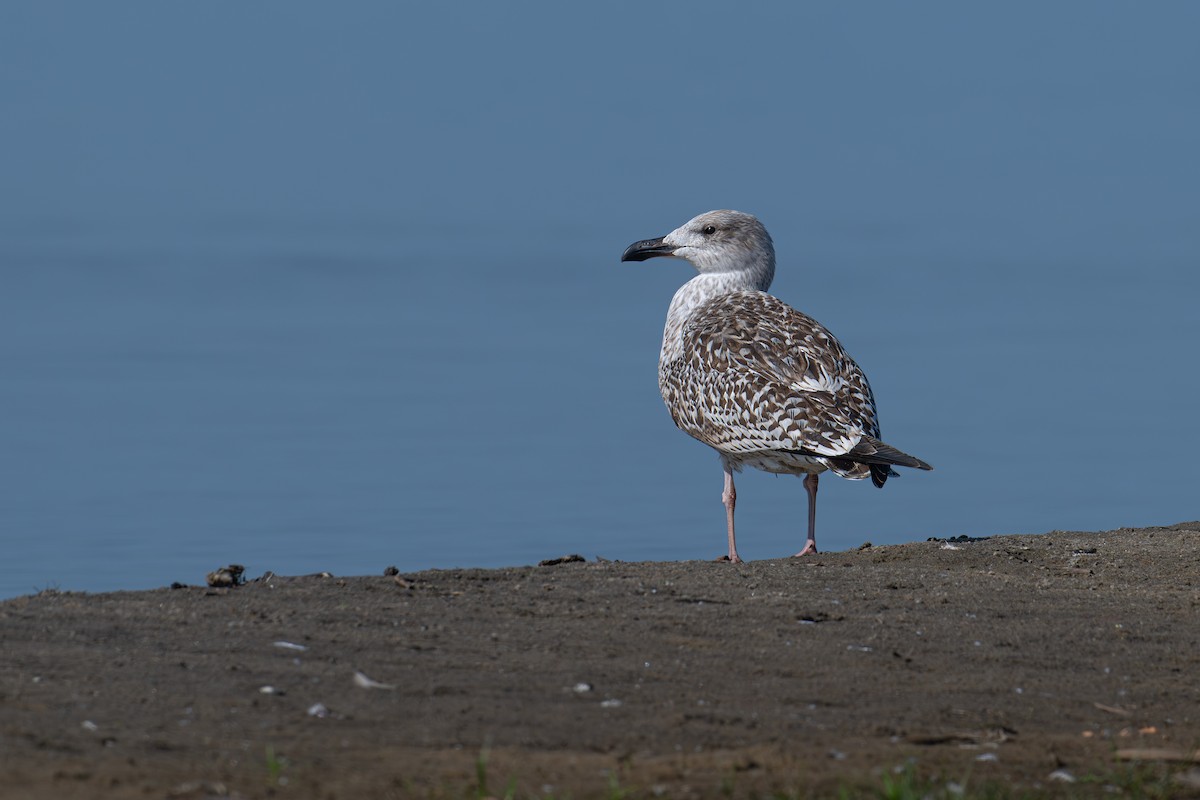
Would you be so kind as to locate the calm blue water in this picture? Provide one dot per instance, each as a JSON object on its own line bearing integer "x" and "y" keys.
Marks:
{"x": 325, "y": 290}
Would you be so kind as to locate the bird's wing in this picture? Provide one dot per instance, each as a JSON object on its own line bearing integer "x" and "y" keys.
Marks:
{"x": 759, "y": 375}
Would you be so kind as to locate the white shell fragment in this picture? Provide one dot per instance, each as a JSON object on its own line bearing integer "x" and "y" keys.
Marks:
{"x": 363, "y": 682}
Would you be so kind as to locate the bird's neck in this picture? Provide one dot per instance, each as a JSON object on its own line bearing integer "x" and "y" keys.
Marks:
{"x": 701, "y": 289}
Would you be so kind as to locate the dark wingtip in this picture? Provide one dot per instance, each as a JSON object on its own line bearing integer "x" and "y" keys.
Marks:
{"x": 880, "y": 473}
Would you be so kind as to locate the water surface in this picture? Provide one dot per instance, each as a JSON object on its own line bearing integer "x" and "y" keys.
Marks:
{"x": 349, "y": 294}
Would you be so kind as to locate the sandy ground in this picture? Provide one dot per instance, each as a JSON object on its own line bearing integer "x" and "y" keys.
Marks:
{"x": 1019, "y": 661}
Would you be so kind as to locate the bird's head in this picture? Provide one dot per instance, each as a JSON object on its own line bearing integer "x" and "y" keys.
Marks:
{"x": 717, "y": 241}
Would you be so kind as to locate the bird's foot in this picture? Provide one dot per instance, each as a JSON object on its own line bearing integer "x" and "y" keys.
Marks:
{"x": 731, "y": 559}
{"x": 810, "y": 549}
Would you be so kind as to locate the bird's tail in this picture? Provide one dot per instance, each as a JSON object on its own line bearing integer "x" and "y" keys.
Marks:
{"x": 879, "y": 457}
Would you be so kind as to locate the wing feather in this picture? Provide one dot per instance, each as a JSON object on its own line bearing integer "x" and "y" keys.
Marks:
{"x": 757, "y": 374}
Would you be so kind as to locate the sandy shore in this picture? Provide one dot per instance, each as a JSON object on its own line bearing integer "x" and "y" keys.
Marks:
{"x": 1021, "y": 661}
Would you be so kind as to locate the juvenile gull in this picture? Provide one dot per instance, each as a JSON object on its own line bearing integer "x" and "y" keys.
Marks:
{"x": 763, "y": 384}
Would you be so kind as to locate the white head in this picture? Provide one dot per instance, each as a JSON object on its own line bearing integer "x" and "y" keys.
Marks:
{"x": 715, "y": 242}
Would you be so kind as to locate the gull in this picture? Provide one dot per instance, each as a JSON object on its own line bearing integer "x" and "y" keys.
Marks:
{"x": 763, "y": 384}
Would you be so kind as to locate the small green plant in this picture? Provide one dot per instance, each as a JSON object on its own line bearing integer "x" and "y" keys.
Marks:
{"x": 275, "y": 767}
{"x": 615, "y": 792}
{"x": 481, "y": 780}
{"x": 902, "y": 785}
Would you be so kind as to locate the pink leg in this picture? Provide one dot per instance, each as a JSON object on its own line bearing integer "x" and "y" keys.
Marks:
{"x": 810, "y": 486}
{"x": 729, "y": 500}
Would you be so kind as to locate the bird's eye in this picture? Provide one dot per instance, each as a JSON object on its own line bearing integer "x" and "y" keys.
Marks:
{"x": 709, "y": 230}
